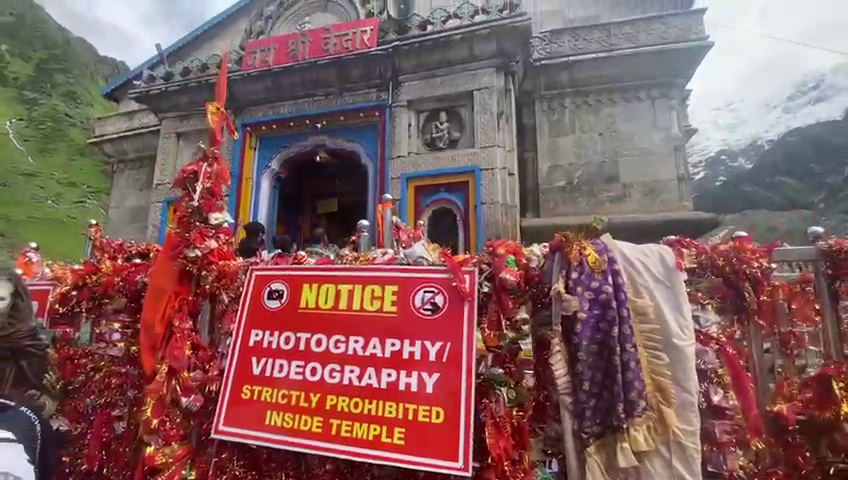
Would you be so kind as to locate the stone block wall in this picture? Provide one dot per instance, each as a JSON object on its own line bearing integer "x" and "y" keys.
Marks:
{"x": 178, "y": 140}
{"x": 612, "y": 151}
{"x": 129, "y": 203}
{"x": 484, "y": 95}
{"x": 485, "y": 98}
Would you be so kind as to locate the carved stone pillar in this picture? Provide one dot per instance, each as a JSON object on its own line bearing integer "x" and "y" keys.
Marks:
{"x": 178, "y": 143}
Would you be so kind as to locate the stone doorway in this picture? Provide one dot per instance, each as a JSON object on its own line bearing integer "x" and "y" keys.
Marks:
{"x": 444, "y": 227}
{"x": 321, "y": 187}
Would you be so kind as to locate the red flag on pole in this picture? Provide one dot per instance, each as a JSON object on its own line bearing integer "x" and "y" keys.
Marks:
{"x": 216, "y": 113}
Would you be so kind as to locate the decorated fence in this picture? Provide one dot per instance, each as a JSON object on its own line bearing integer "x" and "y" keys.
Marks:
{"x": 771, "y": 364}
{"x": 405, "y": 361}
{"x": 772, "y": 381}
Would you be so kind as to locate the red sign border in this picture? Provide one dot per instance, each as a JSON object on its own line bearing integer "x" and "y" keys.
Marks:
{"x": 462, "y": 467}
{"x": 43, "y": 285}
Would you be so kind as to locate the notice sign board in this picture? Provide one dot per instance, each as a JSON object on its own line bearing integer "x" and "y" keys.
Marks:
{"x": 374, "y": 364}
{"x": 40, "y": 294}
{"x": 310, "y": 44}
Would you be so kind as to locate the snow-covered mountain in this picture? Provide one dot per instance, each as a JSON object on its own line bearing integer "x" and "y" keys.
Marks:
{"x": 731, "y": 137}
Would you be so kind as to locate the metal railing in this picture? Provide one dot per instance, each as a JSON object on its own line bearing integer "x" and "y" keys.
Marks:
{"x": 823, "y": 342}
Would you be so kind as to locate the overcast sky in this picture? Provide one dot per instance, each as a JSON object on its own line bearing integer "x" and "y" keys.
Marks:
{"x": 742, "y": 65}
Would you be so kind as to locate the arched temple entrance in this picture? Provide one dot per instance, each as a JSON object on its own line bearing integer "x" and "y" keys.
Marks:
{"x": 322, "y": 182}
{"x": 444, "y": 227}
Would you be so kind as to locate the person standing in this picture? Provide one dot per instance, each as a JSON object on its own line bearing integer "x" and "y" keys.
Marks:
{"x": 283, "y": 245}
{"x": 26, "y": 437}
{"x": 253, "y": 242}
{"x": 319, "y": 246}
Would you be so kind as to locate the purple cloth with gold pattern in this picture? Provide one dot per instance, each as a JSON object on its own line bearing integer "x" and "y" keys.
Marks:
{"x": 608, "y": 382}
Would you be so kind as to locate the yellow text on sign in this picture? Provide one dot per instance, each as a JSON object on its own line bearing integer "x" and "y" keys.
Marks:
{"x": 368, "y": 431}
{"x": 341, "y": 297}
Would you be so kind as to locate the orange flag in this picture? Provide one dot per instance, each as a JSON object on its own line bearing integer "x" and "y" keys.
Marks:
{"x": 216, "y": 114}
{"x": 163, "y": 290}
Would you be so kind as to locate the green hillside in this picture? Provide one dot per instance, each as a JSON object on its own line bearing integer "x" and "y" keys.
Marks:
{"x": 49, "y": 90}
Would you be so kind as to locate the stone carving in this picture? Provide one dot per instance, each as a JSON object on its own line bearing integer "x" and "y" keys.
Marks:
{"x": 153, "y": 219}
{"x": 166, "y": 159}
{"x": 441, "y": 130}
{"x": 312, "y": 104}
{"x": 401, "y": 131}
{"x": 304, "y": 24}
{"x": 184, "y": 123}
{"x": 264, "y": 19}
{"x": 492, "y": 180}
{"x": 484, "y": 158}
{"x": 485, "y": 118}
{"x": 447, "y": 85}
{"x": 677, "y": 27}
{"x": 161, "y": 193}
{"x": 124, "y": 122}
{"x": 554, "y": 105}
{"x": 465, "y": 13}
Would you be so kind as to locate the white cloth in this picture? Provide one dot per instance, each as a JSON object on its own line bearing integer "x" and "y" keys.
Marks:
{"x": 654, "y": 268}
{"x": 14, "y": 462}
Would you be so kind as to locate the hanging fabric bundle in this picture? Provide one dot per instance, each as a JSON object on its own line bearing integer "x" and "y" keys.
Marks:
{"x": 610, "y": 399}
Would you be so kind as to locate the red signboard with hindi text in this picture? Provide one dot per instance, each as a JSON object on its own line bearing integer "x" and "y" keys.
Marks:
{"x": 310, "y": 44}
{"x": 367, "y": 363}
{"x": 40, "y": 293}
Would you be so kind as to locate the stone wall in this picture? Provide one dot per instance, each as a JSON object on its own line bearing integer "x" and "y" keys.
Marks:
{"x": 484, "y": 97}
{"x": 179, "y": 137}
{"x": 129, "y": 139}
{"x": 129, "y": 203}
{"x": 615, "y": 151}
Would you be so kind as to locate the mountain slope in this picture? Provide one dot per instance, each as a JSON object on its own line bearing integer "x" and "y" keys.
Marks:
{"x": 51, "y": 182}
{"x": 799, "y": 180}
{"x": 805, "y": 169}
{"x": 762, "y": 117}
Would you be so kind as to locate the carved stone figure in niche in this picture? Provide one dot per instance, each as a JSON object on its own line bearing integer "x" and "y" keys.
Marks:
{"x": 304, "y": 24}
{"x": 262, "y": 23}
{"x": 442, "y": 130}
{"x": 263, "y": 20}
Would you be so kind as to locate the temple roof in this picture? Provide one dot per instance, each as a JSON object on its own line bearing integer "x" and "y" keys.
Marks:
{"x": 155, "y": 60}
{"x": 152, "y": 72}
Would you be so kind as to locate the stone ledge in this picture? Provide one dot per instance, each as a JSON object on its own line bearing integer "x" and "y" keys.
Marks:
{"x": 129, "y": 145}
{"x": 650, "y": 30}
{"x": 123, "y": 122}
{"x": 485, "y": 158}
{"x": 630, "y": 228}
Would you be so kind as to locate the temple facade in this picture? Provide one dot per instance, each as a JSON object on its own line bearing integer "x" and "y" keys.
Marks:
{"x": 483, "y": 119}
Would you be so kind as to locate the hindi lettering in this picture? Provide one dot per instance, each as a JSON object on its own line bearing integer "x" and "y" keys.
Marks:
{"x": 299, "y": 46}
{"x": 330, "y": 41}
{"x": 364, "y": 35}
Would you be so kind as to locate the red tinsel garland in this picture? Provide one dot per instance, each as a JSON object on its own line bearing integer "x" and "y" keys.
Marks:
{"x": 746, "y": 293}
